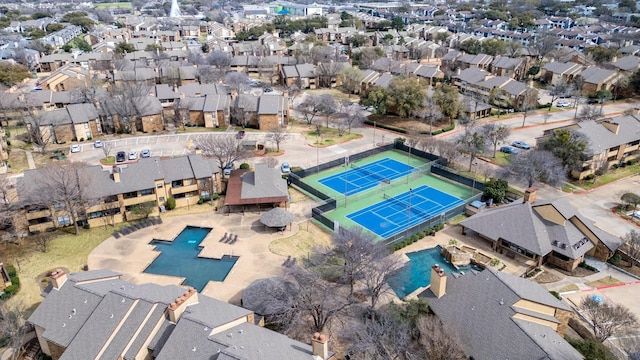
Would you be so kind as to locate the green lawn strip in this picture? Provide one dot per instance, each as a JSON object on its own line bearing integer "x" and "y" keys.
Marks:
{"x": 66, "y": 250}
{"x": 198, "y": 129}
{"x": 611, "y": 175}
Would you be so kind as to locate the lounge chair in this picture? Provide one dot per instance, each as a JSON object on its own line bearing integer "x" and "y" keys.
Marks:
{"x": 286, "y": 262}
{"x": 224, "y": 237}
{"x": 116, "y": 234}
{"x": 235, "y": 238}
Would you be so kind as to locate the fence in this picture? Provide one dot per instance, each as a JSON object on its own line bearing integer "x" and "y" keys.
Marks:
{"x": 330, "y": 204}
{"x": 454, "y": 175}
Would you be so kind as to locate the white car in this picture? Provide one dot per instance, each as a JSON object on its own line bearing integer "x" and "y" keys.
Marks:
{"x": 133, "y": 155}
{"x": 97, "y": 144}
{"x": 562, "y": 104}
{"x": 75, "y": 148}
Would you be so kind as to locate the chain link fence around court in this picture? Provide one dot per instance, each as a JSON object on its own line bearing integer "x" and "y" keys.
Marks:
{"x": 433, "y": 166}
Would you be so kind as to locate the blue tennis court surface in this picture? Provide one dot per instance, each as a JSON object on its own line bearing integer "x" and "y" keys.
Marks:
{"x": 403, "y": 211}
{"x": 366, "y": 176}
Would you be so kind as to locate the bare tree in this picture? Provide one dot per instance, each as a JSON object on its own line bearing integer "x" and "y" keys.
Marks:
{"x": 430, "y": 113}
{"x": 40, "y": 134}
{"x": 107, "y": 147}
{"x": 495, "y": 134}
{"x": 316, "y": 105}
{"x": 8, "y": 206}
{"x": 631, "y": 245}
{"x": 448, "y": 152}
{"x": 590, "y": 112}
{"x": 529, "y": 103}
{"x": 472, "y": 143}
{"x": 606, "y": 319}
{"x": 437, "y": 341}
{"x": 42, "y": 240}
{"x": 429, "y": 144}
{"x": 62, "y": 186}
{"x": 237, "y": 81}
{"x": 226, "y": 149}
{"x": 278, "y": 135}
{"x": 271, "y": 161}
{"x": 537, "y": 165}
{"x": 126, "y": 102}
{"x": 13, "y": 317}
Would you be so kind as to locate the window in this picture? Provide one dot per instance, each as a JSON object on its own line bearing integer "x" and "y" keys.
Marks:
{"x": 64, "y": 220}
{"x": 130, "y": 195}
{"x": 634, "y": 143}
{"x": 176, "y": 183}
{"x": 58, "y": 206}
{"x": 205, "y": 194}
{"x": 86, "y": 125}
{"x": 161, "y": 199}
{"x": 159, "y": 186}
{"x": 615, "y": 148}
{"x": 146, "y": 192}
{"x": 611, "y": 158}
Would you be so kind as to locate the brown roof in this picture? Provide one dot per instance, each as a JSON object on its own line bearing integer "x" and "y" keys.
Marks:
{"x": 234, "y": 192}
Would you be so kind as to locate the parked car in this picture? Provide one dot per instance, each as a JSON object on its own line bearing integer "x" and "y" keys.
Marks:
{"x": 75, "y": 148}
{"x": 97, "y": 144}
{"x": 285, "y": 168}
{"x": 562, "y": 104}
{"x": 121, "y": 156}
{"x": 521, "y": 145}
{"x": 133, "y": 155}
{"x": 228, "y": 169}
{"x": 636, "y": 214}
{"x": 592, "y": 101}
{"x": 240, "y": 134}
{"x": 509, "y": 150}
{"x": 267, "y": 89}
{"x": 145, "y": 153}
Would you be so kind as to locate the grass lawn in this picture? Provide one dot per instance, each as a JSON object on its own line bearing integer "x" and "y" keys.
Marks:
{"x": 329, "y": 136}
{"x": 604, "y": 281}
{"x": 18, "y": 161}
{"x": 109, "y": 160}
{"x": 501, "y": 158}
{"x": 66, "y": 250}
{"x": 611, "y": 175}
{"x": 113, "y": 5}
{"x": 337, "y": 94}
{"x": 309, "y": 234}
{"x": 197, "y": 129}
{"x": 570, "y": 287}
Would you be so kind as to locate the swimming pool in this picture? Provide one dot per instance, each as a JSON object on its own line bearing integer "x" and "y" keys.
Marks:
{"x": 417, "y": 272}
{"x": 180, "y": 258}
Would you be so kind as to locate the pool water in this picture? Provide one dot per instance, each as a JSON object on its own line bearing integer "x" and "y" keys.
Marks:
{"x": 180, "y": 258}
{"x": 417, "y": 272}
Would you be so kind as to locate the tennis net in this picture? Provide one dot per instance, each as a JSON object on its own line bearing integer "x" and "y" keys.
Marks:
{"x": 370, "y": 173}
{"x": 406, "y": 205}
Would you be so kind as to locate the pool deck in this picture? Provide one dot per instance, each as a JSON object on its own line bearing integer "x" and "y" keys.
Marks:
{"x": 131, "y": 254}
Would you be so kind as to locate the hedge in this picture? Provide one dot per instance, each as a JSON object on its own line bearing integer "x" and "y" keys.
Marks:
{"x": 404, "y": 131}
{"x": 12, "y": 289}
{"x": 414, "y": 238}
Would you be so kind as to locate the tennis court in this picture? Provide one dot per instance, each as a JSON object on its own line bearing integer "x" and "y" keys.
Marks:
{"x": 398, "y": 213}
{"x": 360, "y": 178}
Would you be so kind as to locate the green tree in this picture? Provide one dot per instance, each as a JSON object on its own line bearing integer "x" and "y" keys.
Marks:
{"x": 82, "y": 44}
{"x": 397, "y": 24}
{"x": 602, "y": 54}
{"x": 472, "y": 46}
{"x": 446, "y": 99}
{"x": 629, "y": 5}
{"x": 570, "y": 146}
{"x": 154, "y": 47}
{"x": 358, "y": 40}
{"x": 591, "y": 349}
{"x": 406, "y": 95}
{"x": 493, "y": 47}
{"x": 377, "y": 98}
{"x": 37, "y": 33}
{"x": 350, "y": 78}
{"x": 11, "y": 74}
{"x": 79, "y": 18}
{"x": 124, "y": 47}
{"x": 51, "y": 28}
{"x": 39, "y": 15}
{"x": 472, "y": 143}
{"x": 496, "y": 189}
{"x": 630, "y": 199}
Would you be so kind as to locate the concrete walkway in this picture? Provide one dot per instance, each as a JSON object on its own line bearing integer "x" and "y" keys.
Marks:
{"x": 32, "y": 164}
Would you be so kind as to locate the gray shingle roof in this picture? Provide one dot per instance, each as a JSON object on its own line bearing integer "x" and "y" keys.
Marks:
{"x": 263, "y": 182}
{"x": 596, "y": 75}
{"x": 81, "y": 113}
{"x": 563, "y": 68}
{"x": 627, "y": 63}
{"x": 483, "y": 320}
{"x": 522, "y": 225}
{"x": 601, "y": 138}
{"x": 271, "y": 104}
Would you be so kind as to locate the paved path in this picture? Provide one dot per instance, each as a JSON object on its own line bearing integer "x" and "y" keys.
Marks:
{"x": 32, "y": 164}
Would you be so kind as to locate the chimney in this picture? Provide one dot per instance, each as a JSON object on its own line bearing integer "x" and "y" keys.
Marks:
{"x": 59, "y": 277}
{"x": 488, "y": 76}
{"x": 530, "y": 195}
{"x": 177, "y": 307}
{"x": 614, "y": 59}
{"x": 458, "y": 71}
{"x": 611, "y": 126}
{"x": 438, "y": 281}
{"x": 320, "y": 346}
{"x": 116, "y": 174}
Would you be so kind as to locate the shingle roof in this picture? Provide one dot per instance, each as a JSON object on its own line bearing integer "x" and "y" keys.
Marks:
{"x": 596, "y": 75}
{"x": 81, "y": 113}
{"x": 263, "y": 182}
{"x": 520, "y": 224}
{"x": 491, "y": 307}
{"x": 627, "y": 63}
{"x": 563, "y": 68}
{"x": 601, "y": 138}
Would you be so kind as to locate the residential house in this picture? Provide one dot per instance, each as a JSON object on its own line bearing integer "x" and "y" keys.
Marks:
{"x": 68, "y": 77}
{"x": 113, "y": 195}
{"x": 138, "y": 75}
{"x": 431, "y": 74}
{"x": 262, "y": 187}
{"x": 146, "y": 110}
{"x": 596, "y": 78}
{"x": 210, "y": 111}
{"x": 482, "y": 61}
{"x": 262, "y": 112}
{"x": 53, "y": 62}
{"x": 501, "y": 90}
{"x": 328, "y": 73}
{"x": 500, "y": 306}
{"x": 301, "y": 75}
{"x": 554, "y": 72}
{"x": 611, "y": 141}
{"x": 62, "y": 37}
{"x": 75, "y": 122}
{"x": 629, "y": 64}
{"x": 4, "y": 147}
{"x": 98, "y": 314}
{"x": 515, "y": 68}
{"x": 549, "y": 232}
{"x": 166, "y": 95}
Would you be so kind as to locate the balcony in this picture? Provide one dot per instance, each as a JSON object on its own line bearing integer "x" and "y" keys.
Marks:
{"x": 184, "y": 189}
{"x": 38, "y": 214}
{"x": 139, "y": 199}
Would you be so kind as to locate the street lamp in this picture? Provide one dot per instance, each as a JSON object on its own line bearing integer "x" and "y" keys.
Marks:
{"x": 473, "y": 174}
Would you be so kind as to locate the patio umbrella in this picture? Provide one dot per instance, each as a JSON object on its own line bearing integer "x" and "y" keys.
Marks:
{"x": 276, "y": 217}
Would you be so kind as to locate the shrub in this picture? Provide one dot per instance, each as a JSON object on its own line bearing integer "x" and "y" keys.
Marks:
{"x": 453, "y": 242}
{"x": 200, "y": 201}
{"x": 587, "y": 266}
{"x": 86, "y": 226}
{"x": 629, "y": 162}
{"x": 590, "y": 177}
{"x": 622, "y": 164}
{"x": 615, "y": 259}
{"x": 591, "y": 349}
{"x": 556, "y": 294}
{"x": 244, "y": 166}
{"x": 74, "y": 139}
{"x": 11, "y": 270}
{"x": 171, "y": 203}
{"x": 615, "y": 166}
